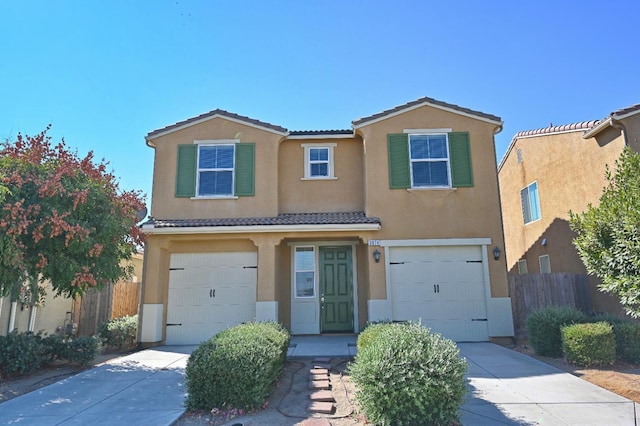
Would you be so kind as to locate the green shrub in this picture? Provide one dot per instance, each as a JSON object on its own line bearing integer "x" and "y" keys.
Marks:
{"x": 370, "y": 333}
{"x": 407, "y": 376}
{"x": 83, "y": 350}
{"x": 627, "y": 336}
{"x": 22, "y": 353}
{"x": 237, "y": 368}
{"x": 120, "y": 332}
{"x": 589, "y": 344}
{"x": 544, "y": 327}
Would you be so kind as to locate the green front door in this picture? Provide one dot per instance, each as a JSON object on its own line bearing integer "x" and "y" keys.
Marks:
{"x": 336, "y": 289}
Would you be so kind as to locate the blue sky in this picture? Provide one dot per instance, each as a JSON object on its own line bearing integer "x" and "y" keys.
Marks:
{"x": 105, "y": 73}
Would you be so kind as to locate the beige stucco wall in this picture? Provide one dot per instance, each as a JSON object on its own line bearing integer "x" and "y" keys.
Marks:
{"x": 265, "y": 202}
{"x": 345, "y": 193}
{"x": 435, "y": 213}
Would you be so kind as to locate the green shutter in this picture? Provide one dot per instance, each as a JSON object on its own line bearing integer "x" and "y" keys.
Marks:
{"x": 398, "y": 149}
{"x": 460, "y": 155}
{"x": 186, "y": 170}
{"x": 245, "y": 169}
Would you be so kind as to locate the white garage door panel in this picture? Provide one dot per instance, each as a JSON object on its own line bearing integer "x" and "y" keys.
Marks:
{"x": 209, "y": 292}
{"x": 443, "y": 287}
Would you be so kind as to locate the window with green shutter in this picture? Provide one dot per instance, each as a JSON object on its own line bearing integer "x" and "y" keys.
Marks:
{"x": 215, "y": 170}
{"x": 432, "y": 160}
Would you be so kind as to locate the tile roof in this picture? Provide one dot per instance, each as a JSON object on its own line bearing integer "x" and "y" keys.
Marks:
{"x": 212, "y": 114}
{"x": 320, "y": 132}
{"x": 424, "y": 100}
{"x": 582, "y": 125}
{"x": 342, "y": 218}
{"x": 627, "y": 110}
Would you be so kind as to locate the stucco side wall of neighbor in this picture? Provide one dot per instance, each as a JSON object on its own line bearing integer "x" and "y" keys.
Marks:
{"x": 570, "y": 174}
{"x": 264, "y": 203}
{"x": 435, "y": 213}
{"x": 343, "y": 193}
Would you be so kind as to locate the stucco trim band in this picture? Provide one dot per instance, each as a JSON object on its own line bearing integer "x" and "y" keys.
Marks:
{"x": 150, "y": 229}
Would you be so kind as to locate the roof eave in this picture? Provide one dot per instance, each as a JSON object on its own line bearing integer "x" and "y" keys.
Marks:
{"x": 598, "y": 128}
{"x": 151, "y": 229}
{"x": 420, "y": 105}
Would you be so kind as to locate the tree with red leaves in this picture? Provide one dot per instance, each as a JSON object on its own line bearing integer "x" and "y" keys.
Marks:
{"x": 63, "y": 219}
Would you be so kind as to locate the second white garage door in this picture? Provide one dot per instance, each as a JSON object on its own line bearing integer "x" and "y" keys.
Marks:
{"x": 209, "y": 292}
{"x": 442, "y": 286}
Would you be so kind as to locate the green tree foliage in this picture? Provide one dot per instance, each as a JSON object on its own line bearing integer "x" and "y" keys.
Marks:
{"x": 63, "y": 218}
{"x": 608, "y": 239}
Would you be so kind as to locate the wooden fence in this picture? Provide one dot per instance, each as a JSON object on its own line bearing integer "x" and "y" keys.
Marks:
{"x": 532, "y": 291}
{"x": 98, "y": 307}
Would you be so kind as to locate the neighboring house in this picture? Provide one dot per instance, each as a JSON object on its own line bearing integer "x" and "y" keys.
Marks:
{"x": 548, "y": 172}
{"x": 64, "y": 315}
{"x": 396, "y": 219}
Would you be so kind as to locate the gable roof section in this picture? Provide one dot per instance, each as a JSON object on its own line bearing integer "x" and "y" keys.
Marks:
{"x": 580, "y": 126}
{"x": 340, "y": 221}
{"x": 608, "y": 121}
{"x": 216, "y": 113}
{"x": 425, "y": 101}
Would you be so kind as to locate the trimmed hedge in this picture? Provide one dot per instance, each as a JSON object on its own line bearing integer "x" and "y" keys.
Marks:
{"x": 237, "y": 368}
{"x": 405, "y": 375}
{"x": 26, "y": 352}
{"x": 544, "y": 327}
{"x": 370, "y": 333}
{"x": 589, "y": 344}
{"x": 627, "y": 336}
{"x": 120, "y": 332}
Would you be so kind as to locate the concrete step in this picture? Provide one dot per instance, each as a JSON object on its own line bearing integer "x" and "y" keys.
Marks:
{"x": 319, "y": 372}
{"x": 320, "y": 407}
{"x": 324, "y": 365}
{"x": 319, "y": 385}
{"x": 323, "y": 395}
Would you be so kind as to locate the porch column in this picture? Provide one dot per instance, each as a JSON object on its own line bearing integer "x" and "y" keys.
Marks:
{"x": 266, "y": 293}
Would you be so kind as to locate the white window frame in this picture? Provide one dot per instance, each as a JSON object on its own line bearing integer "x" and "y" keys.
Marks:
{"x": 217, "y": 143}
{"x": 522, "y": 267}
{"x": 544, "y": 258}
{"x": 307, "y": 160}
{"x": 295, "y": 272}
{"x": 447, "y": 160}
{"x": 530, "y": 204}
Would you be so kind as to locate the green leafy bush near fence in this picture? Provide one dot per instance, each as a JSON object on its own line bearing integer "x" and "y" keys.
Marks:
{"x": 120, "y": 332}
{"x": 589, "y": 344}
{"x": 544, "y": 327}
{"x": 237, "y": 368}
{"x": 627, "y": 336}
{"x": 27, "y": 352}
{"x": 405, "y": 375}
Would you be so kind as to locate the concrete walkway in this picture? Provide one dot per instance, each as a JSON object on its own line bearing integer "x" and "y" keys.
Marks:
{"x": 509, "y": 388}
{"x": 147, "y": 388}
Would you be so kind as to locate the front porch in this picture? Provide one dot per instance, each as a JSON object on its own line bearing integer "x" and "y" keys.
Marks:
{"x": 334, "y": 345}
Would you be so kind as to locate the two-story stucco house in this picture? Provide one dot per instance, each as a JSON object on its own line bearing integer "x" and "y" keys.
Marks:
{"x": 548, "y": 172}
{"x": 397, "y": 218}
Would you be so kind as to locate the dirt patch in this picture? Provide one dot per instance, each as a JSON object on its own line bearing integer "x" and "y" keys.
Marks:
{"x": 621, "y": 378}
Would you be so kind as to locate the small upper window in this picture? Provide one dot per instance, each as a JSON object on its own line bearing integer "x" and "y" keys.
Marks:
{"x": 429, "y": 157}
{"x": 318, "y": 161}
{"x": 215, "y": 170}
{"x": 522, "y": 266}
{"x": 530, "y": 203}
{"x": 545, "y": 265}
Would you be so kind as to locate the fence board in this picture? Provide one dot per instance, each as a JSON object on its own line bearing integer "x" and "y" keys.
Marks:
{"x": 533, "y": 291}
{"x": 113, "y": 301}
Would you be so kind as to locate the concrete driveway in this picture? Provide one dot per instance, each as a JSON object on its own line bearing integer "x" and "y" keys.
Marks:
{"x": 147, "y": 388}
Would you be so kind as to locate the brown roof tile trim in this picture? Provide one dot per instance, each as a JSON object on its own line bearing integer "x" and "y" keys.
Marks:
{"x": 583, "y": 125}
{"x": 349, "y": 218}
{"x": 320, "y": 132}
{"x": 423, "y": 100}
{"x": 213, "y": 113}
{"x": 627, "y": 110}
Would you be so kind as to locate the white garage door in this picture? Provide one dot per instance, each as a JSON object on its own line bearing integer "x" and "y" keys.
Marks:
{"x": 441, "y": 286}
{"x": 209, "y": 292}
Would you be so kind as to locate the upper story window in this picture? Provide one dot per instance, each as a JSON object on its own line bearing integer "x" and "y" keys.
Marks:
{"x": 530, "y": 203}
{"x": 429, "y": 159}
{"x": 318, "y": 161}
{"x": 215, "y": 169}
{"x": 429, "y": 156}
{"x": 545, "y": 264}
